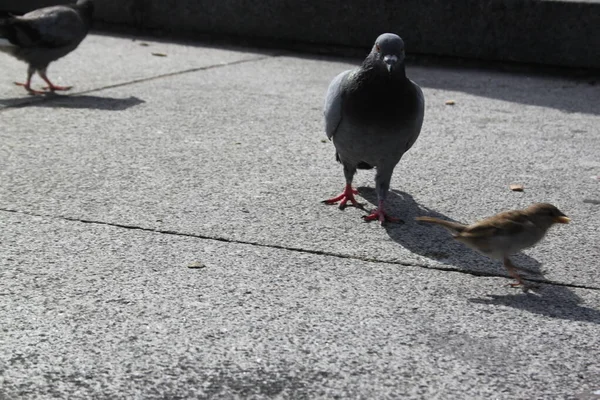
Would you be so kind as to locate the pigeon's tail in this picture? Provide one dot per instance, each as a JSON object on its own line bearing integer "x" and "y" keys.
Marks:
{"x": 6, "y": 34}
{"x": 454, "y": 227}
{"x": 361, "y": 165}
{"x": 5, "y": 25}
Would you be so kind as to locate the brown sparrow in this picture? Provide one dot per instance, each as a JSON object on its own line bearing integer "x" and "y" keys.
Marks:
{"x": 506, "y": 233}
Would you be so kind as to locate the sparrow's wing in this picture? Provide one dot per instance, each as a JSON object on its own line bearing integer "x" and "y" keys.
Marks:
{"x": 507, "y": 223}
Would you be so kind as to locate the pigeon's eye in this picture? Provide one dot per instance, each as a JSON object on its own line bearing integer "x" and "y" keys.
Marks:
{"x": 377, "y": 47}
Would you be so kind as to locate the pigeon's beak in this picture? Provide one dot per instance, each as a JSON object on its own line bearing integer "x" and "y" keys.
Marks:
{"x": 563, "y": 219}
{"x": 390, "y": 61}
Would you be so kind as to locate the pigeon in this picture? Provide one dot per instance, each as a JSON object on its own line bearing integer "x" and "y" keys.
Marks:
{"x": 373, "y": 115}
{"x": 45, "y": 35}
{"x": 506, "y": 233}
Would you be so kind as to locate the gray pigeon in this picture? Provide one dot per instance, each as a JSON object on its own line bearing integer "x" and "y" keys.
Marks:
{"x": 45, "y": 35}
{"x": 373, "y": 114}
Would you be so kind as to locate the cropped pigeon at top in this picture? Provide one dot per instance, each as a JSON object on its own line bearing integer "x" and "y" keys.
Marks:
{"x": 45, "y": 35}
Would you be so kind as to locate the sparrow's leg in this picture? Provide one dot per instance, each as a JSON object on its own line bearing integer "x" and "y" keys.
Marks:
{"x": 512, "y": 271}
{"x": 51, "y": 86}
{"x": 382, "y": 185}
{"x": 348, "y": 194}
{"x": 27, "y": 84}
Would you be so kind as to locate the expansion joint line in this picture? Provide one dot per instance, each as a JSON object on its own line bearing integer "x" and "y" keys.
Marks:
{"x": 288, "y": 248}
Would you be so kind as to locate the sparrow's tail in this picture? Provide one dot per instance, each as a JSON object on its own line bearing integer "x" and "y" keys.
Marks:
{"x": 454, "y": 227}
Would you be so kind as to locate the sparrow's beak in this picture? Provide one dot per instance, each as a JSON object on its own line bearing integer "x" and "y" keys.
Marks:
{"x": 390, "y": 61}
{"x": 563, "y": 219}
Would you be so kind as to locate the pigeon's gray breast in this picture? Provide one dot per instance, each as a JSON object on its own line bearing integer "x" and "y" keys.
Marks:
{"x": 381, "y": 119}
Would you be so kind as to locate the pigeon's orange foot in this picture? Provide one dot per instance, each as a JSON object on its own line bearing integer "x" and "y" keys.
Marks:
{"x": 56, "y": 87}
{"x": 346, "y": 196}
{"x": 379, "y": 214}
{"x": 28, "y": 88}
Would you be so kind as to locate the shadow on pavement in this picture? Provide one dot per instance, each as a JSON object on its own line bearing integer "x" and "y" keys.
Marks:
{"x": 549, "y": 300}
{"x": 435, "y": 242}
{"x": 569, "y": 94}
{"x": 74, "y": 102}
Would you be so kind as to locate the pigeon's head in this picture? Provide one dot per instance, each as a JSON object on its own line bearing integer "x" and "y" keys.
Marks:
{"x": 389, "y": 50}
{"x": 86, "y": 6}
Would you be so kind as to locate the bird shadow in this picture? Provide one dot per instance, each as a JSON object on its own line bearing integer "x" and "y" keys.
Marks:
{"x": 53, "y": 100}
{"x": 549, "y": 300}
{"x": 436, "y": 243}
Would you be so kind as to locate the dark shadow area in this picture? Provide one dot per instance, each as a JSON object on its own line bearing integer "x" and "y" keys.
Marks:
{"x": 74, "y": 102}
{"x": 436, "y": 243}
{"x": 205, "y": 40}
{"x": 549, "y": 300}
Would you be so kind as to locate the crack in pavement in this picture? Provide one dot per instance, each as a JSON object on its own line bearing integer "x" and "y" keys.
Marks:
{"x": 51, "y": 96}
{"x": 291, "y": 248}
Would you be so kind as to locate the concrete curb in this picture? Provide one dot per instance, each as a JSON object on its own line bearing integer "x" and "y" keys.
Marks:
{"x": 560, "y": 33}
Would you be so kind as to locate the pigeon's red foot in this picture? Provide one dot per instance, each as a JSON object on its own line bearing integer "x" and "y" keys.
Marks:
{"x": 379, "y": 214}
{"x": 56, "y": 87}
{"x": 28, "y": 88}
{"x": 346, "y": 196}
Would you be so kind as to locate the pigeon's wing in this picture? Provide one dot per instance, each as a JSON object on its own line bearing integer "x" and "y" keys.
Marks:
{"x": 333, "y": 103}
{"x": 420, "y": 112}
{"x": 50, "y": 27}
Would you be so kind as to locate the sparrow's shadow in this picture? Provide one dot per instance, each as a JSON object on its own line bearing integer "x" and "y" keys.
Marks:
{"x": 435, "y": 242}
{"x": 52, "y": 100}
{"x": 549, "y": 300}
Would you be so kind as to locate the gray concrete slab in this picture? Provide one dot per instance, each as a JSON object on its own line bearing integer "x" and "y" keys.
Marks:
{"x": 237, "y": 152}
{"x": 94, "y": 311}
{"x": 226, "y": 163}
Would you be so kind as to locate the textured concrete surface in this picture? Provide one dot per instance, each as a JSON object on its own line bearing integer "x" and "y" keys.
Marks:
{"x": 508, "y": 30}
{"x": 217, "y": 156}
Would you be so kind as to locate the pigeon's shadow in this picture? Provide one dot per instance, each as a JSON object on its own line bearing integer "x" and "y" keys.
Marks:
{"x": 52, "y": 100}
{"x": 436, "y": 243}
{"x": 549, "y": 300}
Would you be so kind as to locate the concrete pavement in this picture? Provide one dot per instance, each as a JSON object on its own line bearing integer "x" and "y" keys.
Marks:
{"x": 216, "y": 156}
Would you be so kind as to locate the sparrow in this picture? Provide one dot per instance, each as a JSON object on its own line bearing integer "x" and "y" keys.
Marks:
{"x": 506, "y": 233}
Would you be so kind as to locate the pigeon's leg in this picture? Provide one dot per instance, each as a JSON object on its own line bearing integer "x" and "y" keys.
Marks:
{"x": 27, "y": 85}
{"x": 348, "y": 194}
{"x": 51, "y": 86}
{"x": 512, "y": 271}
{"x": 382, "y": 185}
